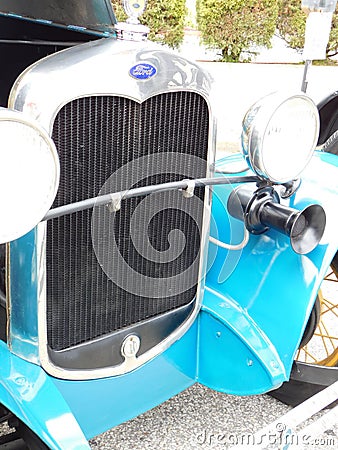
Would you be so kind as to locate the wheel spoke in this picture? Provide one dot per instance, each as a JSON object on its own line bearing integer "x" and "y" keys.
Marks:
{"x": 328, "y": 301}
{"x": 327, "y": 333}
{"x": 327, "y": 277}
{"x": 323, "y": 340}
{"x": 308, "y": 354}
{"x": 332, "y": 276}
{"x": 326, "y": 336}
{"x": 331, "y": 308}
{"x": 322, "y": 348}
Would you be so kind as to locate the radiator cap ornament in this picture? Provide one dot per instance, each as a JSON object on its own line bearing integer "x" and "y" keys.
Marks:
{"x": 132, "y": 29}
{"x": 133, "y": 9}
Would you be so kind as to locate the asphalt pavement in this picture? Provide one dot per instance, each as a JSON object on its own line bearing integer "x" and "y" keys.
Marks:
{"x": 202, "y": 419}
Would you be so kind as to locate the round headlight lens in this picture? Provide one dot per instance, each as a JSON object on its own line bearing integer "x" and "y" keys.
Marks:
{"x": 279, "y": 136}
{"x": 29, "y": 174}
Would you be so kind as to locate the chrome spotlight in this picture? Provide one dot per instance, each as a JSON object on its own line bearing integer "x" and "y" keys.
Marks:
{"x": 279, "y": 136}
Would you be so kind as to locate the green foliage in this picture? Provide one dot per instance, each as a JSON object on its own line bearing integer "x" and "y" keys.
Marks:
{"x": 121, "y": 16}
{"x": 236, "y": 25}
{"x": 291, "y": 26}
{"x": 165, "y": 18}
{"x": 332, "y": 48}
{"x": 291, "y": 23}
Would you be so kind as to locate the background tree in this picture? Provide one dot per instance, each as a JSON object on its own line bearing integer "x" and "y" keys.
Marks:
{"x": 233, "y": 26}
{"x": 332, "y": 47}
{"x": 165, "y": 18}
{"x": 291, "y": 23}
{"x": 291, "y": 26}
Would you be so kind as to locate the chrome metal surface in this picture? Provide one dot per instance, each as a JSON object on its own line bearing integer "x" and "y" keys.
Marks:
{"x": 130, "y": 346}
{"x": 132, "y": 30}
{"x": 134, "y": 9}
{"x": 30, "y": 165}
{"x": 99, "y": 68}
{"x": 286, "y": 190}
{"x": 102, "y": 68}
{"x": 255, "y": 131}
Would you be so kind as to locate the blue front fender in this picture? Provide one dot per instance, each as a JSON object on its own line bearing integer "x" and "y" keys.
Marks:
{"x": 29, "y": 393}
{"x": 257, "y": 301}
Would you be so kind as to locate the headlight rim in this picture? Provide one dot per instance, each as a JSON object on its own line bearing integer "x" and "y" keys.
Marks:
{"x": 12, "y": 228}
{"x": 255, "y": 125}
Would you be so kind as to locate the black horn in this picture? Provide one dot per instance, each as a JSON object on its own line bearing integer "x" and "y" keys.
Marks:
{"x": 260, "y": 210}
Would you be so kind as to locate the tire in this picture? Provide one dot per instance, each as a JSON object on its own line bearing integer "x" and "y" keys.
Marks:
{"x": 334, "y": 263}
{"x": 331, "y": 145}
{"x": 32, "y": 441}
{"x": 308, "y": 378}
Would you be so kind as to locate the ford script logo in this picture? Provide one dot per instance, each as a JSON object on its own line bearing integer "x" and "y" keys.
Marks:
{"x": 142, "y": 71}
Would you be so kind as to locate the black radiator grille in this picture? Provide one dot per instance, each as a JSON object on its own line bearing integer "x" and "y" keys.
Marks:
{"x": 95, "y": 136}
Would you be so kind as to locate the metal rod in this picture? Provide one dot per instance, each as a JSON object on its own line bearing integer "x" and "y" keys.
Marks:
{"x": 286, "y": 424}
{"x": 307, "y": 65}
{"x": 106, "y": 199}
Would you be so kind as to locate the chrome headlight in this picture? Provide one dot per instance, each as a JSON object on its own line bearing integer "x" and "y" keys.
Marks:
{"x": 279, "y": 136}
{"x": 29, "y": 167}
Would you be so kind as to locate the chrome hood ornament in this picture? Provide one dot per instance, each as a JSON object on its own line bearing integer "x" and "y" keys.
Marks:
{"x": 132, "y": 29}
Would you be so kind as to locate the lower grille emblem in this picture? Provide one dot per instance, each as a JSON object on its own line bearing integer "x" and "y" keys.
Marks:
{"x": 130, "y": 346}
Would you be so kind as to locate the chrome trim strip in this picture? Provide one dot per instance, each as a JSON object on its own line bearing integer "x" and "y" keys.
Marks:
{"x": 41, "y": 239}
{"x": 7, "y": 287}
{"x": 64, "y": 72}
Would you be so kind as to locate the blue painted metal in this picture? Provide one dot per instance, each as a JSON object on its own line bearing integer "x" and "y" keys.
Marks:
{"x": 66, "y": 413}
{"x": 111, "y": 400}
{"x": 23, "y": 295}
{"x": 228, "y": 331}
{"x": 117, "y": 399}
{"x": 258, "y": 300}
{"x": 31, "y": 395}
{"x": 255, "y": 308}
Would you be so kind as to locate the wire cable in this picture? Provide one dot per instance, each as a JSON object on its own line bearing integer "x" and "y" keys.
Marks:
{"x": 232, "y": 246}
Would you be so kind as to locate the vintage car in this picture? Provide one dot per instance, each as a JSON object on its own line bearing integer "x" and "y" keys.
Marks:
{"x": 155, "y": 267}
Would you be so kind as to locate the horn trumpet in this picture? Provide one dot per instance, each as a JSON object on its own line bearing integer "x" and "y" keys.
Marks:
{"x": 261, "y": 210}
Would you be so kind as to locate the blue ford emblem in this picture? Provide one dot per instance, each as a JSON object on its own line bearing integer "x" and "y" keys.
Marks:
{"x": 142, "y": 71}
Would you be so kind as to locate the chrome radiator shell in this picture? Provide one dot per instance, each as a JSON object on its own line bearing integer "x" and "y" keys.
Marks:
{"x": 100, "y": 70}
